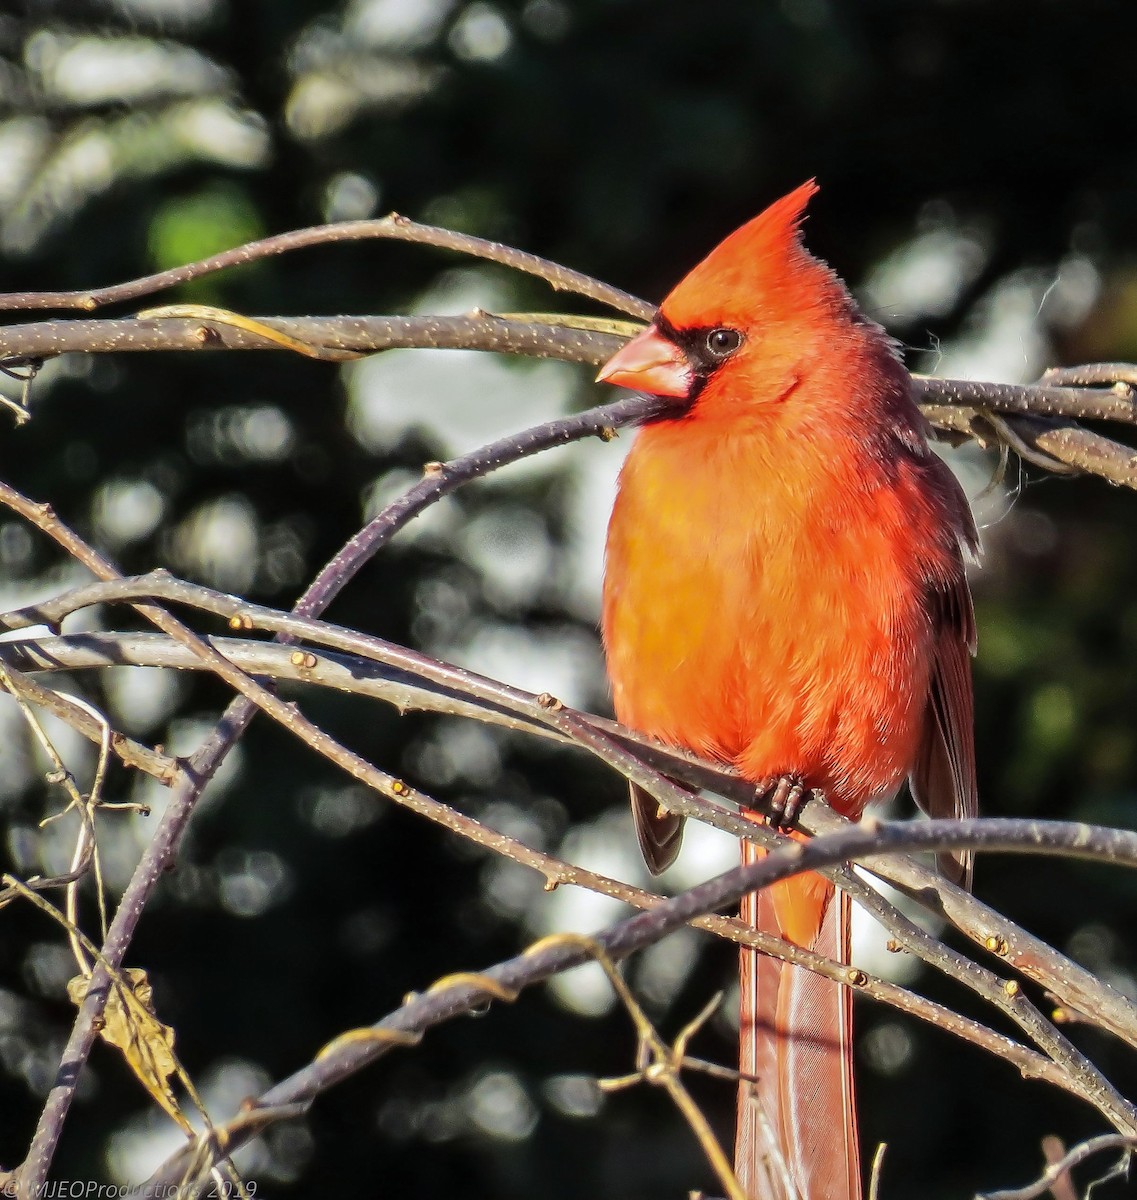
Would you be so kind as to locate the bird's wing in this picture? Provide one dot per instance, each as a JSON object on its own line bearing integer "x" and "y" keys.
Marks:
{"x": 943, "y": 776}
{"x": 660, "y": 832}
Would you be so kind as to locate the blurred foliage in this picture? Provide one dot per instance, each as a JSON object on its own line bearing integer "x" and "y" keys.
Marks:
{"x": 979, "y": 177}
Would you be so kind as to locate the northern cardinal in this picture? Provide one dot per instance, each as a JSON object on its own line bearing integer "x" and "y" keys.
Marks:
{"x": 784, "y": 591}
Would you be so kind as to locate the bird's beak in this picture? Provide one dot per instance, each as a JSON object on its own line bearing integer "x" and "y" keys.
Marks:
{"x": 650, "y": 363}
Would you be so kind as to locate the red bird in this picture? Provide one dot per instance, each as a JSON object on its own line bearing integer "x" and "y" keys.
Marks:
{"x": 785, "y": 592}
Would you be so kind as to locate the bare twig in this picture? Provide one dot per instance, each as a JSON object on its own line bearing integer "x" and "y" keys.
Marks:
{"x": 1053, "y": 1151}
{"x": 1085, "y": 451}
{"x": 452, "y": 689}
{"x": 1121, "y": 376}
{"x": 1006, "y": 995}
{"x": 983, "y": 981}
{"x": 1056, "y": 395}
{"x": 990, "y": 929}
{"x": 86, "y": 854}
{"x": 1055, "y": 1171}
{"x": 468, "y": 993}
{"x": 203, "y": 764}
{"x": 549, "y": 338}
{"x": 342, "y": 337}
{"x": 392, "y": 227}
{"x": 1027, "y": 1065}
{"x": 144, "y": 1041}
{"x": 277, "y": 662}
{"x": 658, "y": 1063}
{"x": 161, "y": 766}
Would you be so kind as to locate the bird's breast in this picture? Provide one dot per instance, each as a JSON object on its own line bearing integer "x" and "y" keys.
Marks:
{"x": 761, "y": 612}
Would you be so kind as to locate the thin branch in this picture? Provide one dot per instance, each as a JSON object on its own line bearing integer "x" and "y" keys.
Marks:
{"x": 341, "y": 337}
{"x": 392, "y": 227}
{"x": 1085, "y": 450}
{"x": 465, "y": 693}
{"x": 1020, "y": 949}
{"x": 1006, "y": 995}
{"x": 992, "y": 931}
{"x": 993, "y": 991}
{"x": 1055, "y": 1171}
{"x": 618, "y": 757}
{"x": 468, "y": 993}
{"x": 86, "y": 854}
{"x": 1122, "y": 376}
{"x": 876, "y": 1170}
{"x": 985, "y": 411}
{"x": 1054, "y": 1149}
{"x": 145, "y": 1043}
{"x": 443, "y": 478}
{"x": 134, "y": 754}
{"x": 413, "y": 681}
{"x": 92, "y": 650}
{"x": 1088, "y": 1080}
{"x": 1051, "y": 397}
{"x": 349, "y": 336}
{"x": 205, "y": 761}
{"x": 658, "y": 1063}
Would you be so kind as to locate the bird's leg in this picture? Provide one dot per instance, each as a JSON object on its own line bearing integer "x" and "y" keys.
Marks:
{"x": 782, "y": 799}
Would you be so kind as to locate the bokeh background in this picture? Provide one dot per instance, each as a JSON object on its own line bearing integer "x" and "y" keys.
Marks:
{"x": 979, "y": 190}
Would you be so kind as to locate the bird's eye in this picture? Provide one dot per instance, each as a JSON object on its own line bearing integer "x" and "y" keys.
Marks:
{"x": 722, "y": 342}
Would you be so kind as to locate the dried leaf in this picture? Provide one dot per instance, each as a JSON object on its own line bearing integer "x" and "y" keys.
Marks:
{"x": 130, "y": 1025}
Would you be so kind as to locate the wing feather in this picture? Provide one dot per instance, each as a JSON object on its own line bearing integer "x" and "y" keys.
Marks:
{"x": 660, "y": 833}
{"x": 943, "y": 776}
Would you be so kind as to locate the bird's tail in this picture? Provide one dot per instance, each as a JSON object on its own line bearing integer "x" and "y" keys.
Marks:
{"x": 797, "y": 1123}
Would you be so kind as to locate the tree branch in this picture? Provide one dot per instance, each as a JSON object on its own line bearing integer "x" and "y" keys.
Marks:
{"x": 204, "y": 763}
{"x": 1055, "y": 1171}
{"x": 448, "y": 1000}
{"x": 454, "y": 690}
{"x": 392, "y": 227}
{"x": 341, "y": 337}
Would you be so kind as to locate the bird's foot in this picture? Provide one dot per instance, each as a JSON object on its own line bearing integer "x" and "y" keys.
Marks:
{"x": 782, "y": 799}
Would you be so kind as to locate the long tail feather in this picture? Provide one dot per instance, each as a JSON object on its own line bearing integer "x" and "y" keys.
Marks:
{"x": 797, "y": 1126}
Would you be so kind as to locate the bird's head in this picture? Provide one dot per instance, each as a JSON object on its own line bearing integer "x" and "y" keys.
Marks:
{"x": 744, "y": 325}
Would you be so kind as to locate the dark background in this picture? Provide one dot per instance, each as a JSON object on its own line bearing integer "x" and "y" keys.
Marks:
{"x": 986, "y": 141}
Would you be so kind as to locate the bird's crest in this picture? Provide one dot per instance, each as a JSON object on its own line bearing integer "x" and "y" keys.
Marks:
{"x": 758, "y": 257}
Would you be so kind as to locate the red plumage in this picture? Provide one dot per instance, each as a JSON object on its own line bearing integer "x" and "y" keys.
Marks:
{"x": 785, "y": 592}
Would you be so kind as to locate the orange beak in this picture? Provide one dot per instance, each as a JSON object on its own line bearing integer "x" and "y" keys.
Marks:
{"x": 650, "y": 363}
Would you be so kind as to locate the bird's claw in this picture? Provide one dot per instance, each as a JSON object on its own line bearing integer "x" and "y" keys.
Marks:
{"x": 783, "y": 799}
